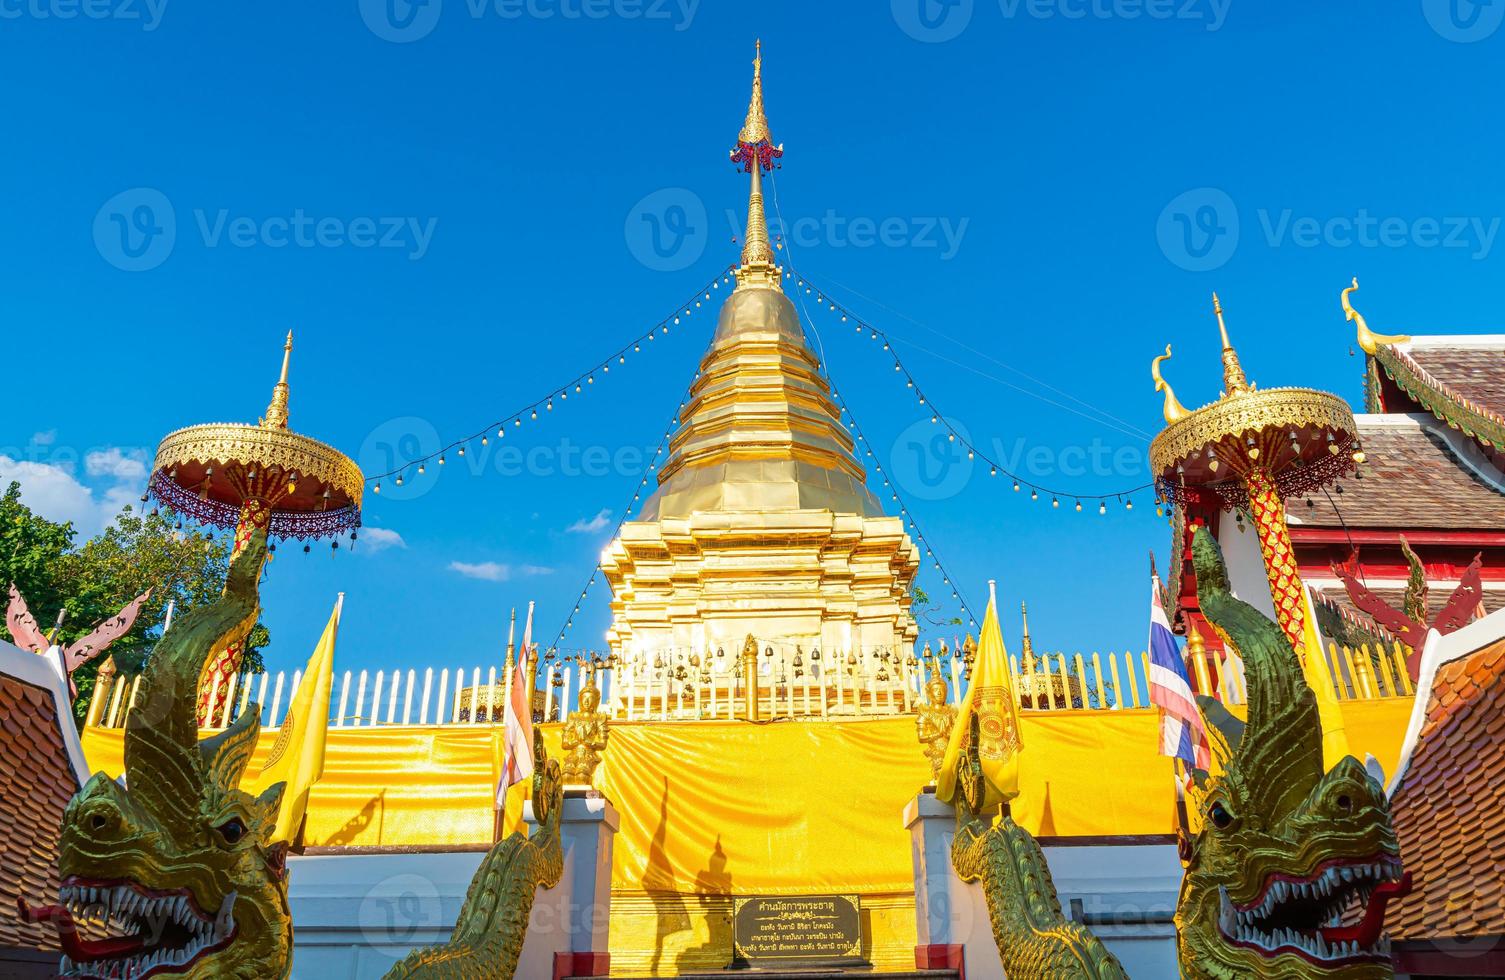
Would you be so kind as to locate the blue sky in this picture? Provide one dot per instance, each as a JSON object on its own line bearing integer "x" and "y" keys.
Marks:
{"x": 460, "y": 207}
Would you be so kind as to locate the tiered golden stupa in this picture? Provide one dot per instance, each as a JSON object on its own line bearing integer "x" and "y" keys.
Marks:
{"x": 761, "y": 523}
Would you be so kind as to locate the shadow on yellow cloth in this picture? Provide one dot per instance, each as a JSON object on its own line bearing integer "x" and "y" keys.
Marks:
{"x": 796, "y": 808}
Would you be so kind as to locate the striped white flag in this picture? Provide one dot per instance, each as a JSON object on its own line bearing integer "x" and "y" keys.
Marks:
{"x": 517, "y": 724}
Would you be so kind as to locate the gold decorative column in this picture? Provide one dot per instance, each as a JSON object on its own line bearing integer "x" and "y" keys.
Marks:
{"x": 1251, "y": 450}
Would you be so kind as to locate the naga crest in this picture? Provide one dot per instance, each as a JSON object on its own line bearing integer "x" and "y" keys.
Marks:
{"x": 176, "y": 875}
{"x": 1292, "y": 868}
{"x": 488, "y": 936}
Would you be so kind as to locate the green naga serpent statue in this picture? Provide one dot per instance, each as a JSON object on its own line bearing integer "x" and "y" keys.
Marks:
{"x": 175, "y": 876}
{"x": 1291, "y": 870}
{"x": 1035, "y": 940}
{"x": 488, "y": 936}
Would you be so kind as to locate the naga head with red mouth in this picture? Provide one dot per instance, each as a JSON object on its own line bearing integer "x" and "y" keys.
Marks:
{"x": 1291, "y": 871}
{"x": 176, "y": 876}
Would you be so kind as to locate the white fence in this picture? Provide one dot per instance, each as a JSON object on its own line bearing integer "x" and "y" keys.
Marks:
{"x": 685, "y": 685}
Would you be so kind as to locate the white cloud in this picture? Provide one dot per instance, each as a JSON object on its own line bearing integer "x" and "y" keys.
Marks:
{"x": 491, "y": 571}
{"x": 374, "y": 539}
{"x": 592, "y": 525}
{"x": 117, "y": 463}
{"x": 54, "y": 493}
{"x": 488, "y": 571}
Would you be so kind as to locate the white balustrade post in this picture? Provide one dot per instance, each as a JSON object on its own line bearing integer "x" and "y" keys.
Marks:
{"x": 339, "y": 721}
{"x": 428, "y": 684}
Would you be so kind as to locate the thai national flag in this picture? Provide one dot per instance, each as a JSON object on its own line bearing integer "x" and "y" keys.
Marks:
{"x": 1181, "y": 733}
{"x": 517, "y": 724}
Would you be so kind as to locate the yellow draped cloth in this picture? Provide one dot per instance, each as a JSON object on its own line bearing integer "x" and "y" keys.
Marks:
{"x": 716, "y": 807}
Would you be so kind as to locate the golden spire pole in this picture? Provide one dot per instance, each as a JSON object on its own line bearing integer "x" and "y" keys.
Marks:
{"x": 1234, "y": 382}
{"x": 755, "y": 151}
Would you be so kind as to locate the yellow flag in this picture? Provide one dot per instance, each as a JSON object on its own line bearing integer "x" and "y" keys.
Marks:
{"x": 1320, "y": 679}
{"x": 994, "y": 702}
{"x": 297, "y": 757}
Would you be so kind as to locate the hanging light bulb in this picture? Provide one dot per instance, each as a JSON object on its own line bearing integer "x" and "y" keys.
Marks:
{"x": 1102, "y": 507}
{"x": 1055, "y": 501}
{"x": 377, "y": 487}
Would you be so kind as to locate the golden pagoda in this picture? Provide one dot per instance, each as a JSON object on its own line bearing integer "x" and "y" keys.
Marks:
{"x": 762, "y": 522}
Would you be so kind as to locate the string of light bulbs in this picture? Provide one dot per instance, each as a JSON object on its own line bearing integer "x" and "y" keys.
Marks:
{"x": 552, "y": 649}
{"x": 577, "y": 385}
{"x": 995, "y": 468}
{"x": 904, "y": 511}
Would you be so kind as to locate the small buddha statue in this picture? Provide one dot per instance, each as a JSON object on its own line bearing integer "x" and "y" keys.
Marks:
{"x": 934, "y": 721}
{"x": 584, "y": 736}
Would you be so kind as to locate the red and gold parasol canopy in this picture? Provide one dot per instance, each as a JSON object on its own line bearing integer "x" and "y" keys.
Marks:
{"x": 225, "y": 473}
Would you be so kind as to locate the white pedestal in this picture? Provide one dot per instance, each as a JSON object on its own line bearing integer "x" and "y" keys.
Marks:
{"x": 951, "y": 917}
{"x": 567, "y": 932}
{"x": 1124, "y": 890}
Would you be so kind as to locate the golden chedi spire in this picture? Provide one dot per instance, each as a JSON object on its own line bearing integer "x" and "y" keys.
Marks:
{"x": 1026, "y": 645}
{"x": 1369, "y": 341}
{"x": 761, "y": 431}
{"x": 755, "y": 152}
{"x": 1234, "y": 382}
{"x": 276, "y": 416}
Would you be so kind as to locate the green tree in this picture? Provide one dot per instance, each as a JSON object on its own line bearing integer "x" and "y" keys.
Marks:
{"x": 30, "y": 546}
{"x": 137, "y": 551}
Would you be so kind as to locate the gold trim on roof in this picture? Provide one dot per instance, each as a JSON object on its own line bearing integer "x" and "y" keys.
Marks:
{"x": 1370, "y": 341}
{"x": 755, "y": 127}
{"x": 1174, "y": 411}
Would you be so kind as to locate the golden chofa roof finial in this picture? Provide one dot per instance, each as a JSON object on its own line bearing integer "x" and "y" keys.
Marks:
{"x": 276, "y": 416}
{"x": 1234, "y": 382}
{"x": 1370, "y": 341}
{"x": 755, "y": 153}
{"x": 1174, "y": 410}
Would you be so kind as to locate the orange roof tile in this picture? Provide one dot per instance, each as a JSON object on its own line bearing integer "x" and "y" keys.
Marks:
{"x": 1449, "y": 811}
{"x": 36, "y": 782}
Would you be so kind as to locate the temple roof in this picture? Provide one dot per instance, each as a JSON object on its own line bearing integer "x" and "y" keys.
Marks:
{"x": 1417, "y": 474}
{"x": 1459, "y": 379}
{"x": 1449, "y": 809}
{"x": 42, "y": 771}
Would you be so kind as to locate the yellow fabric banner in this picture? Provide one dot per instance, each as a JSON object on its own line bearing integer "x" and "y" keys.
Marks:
{"x": 1320, "y": 679}
{"x": 297, "y": 757}
{"x": 726, "y": 807}
{"x": 992, "y": 700}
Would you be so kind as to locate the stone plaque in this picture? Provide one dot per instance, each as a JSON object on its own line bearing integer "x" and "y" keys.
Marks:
{"x": 804, "y": 929}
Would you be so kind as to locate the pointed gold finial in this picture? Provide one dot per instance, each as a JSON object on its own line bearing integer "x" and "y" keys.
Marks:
{"x": 1234, "y": 382}
{"x": 1368, "y": 339}
{"x": 755, "y": 128}
{"x": 1026, "y": 645}
{"x": 276, "y": 416}
{"x": 755, "y": 152}
{"x": 1174, "y": 410}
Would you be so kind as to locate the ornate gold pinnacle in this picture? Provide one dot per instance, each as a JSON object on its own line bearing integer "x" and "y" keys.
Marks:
{"x": 1234, "y": 382}
{"x": 756, "y": 152}
{"x": 276, "y": 416}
